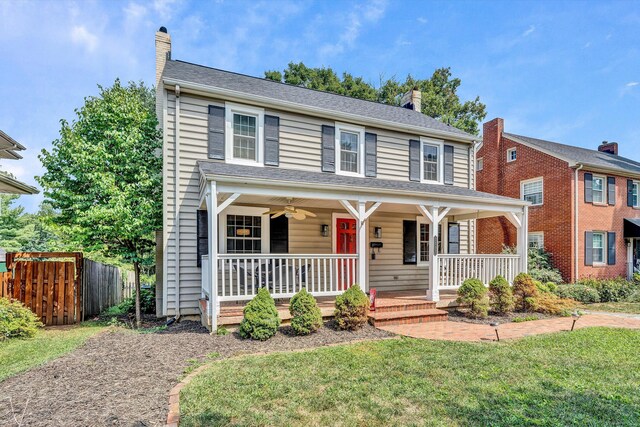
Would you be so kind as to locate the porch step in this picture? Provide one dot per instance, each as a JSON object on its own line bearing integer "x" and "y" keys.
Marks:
{"x": 393, "y": 306}
{"x": 406, "y": 317}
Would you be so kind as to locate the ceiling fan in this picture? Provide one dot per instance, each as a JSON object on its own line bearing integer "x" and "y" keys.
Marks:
{"x": 291, "y": 211}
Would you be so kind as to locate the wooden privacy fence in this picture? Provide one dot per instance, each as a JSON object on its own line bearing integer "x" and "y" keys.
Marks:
{"x": 102, "y": 287}
{"x": 49, "y": 283}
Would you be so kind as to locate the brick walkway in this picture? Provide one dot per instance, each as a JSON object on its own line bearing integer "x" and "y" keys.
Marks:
{"x": 461, "y": 331}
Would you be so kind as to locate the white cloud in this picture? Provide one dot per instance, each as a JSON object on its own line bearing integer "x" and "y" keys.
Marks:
{"x": 135, "y": 11}
{"x": 632, "y": 84}
{"x": 81, "y": 36}
{"x": 165, "y": 8}
{"x": 422, "y": 20}
{"x": 529, "y": 30}
{"x": 587, "y": 45}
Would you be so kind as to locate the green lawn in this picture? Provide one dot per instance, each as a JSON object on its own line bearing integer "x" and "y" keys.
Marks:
{"x": 589, "y": 377}
{"x": 17, "y": 355}
{"x": 614, "y": 307}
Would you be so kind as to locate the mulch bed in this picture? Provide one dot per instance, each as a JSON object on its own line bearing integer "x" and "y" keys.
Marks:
{"x": 460, "y": 316}
{"x": 123, "y": 378}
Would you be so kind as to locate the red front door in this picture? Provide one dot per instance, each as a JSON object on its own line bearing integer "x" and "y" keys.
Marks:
{"x": 346, "y": 244}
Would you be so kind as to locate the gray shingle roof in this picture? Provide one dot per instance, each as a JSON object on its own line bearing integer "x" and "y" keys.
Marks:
{"x": 588, "y": 157}
{"x": 331, "y": 179}
{"x": 199, "y": 74}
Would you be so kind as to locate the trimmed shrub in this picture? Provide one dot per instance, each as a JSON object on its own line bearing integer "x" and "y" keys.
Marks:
{"x": 634, "y": 297}
{"x": 473, "y": 293}
{"x": 580, "y": 293}
{"x": 525, "y": 292}
{"x": 501, "y": 295}
{"x": 17, "y": 321}
{"x": 552, "y": 304}
{"x": 552, "y": 287}
{"x": 306, "y": 313}
{"x": 610, "y": 290}
{"x": 352, "y": 308}
{"x": 541, "y": 267}
{"x": 261, "y": 319}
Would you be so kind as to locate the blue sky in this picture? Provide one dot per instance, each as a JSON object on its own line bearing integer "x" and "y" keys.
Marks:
{"x": 568, "y": 71}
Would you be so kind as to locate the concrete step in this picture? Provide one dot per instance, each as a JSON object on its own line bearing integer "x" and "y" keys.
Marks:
{"x": 407, "y": 317}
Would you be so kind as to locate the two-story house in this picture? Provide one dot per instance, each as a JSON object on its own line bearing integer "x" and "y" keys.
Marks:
{"x": 584, "y": 203}
{"x": 278, "y": 186}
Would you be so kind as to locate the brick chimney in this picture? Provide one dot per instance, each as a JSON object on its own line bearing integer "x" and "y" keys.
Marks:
{"x": 163, "y": 52}
{"x": 609, "y": 147}
{"x": 491, "y": 150}
{"x": 412, "y": 100}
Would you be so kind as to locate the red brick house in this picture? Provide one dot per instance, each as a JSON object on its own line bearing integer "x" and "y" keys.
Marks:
{"x": 584, "y": 208}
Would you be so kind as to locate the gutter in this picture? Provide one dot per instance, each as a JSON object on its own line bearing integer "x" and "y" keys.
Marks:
{"x": 316, "y": 111}
{"x": 576, "y": 223}
{"x": 177, "y": 201}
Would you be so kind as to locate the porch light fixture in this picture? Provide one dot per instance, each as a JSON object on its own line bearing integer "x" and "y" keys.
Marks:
{"x": 377, "y": 232}
{"x": 324, "y": 230}
{"x": 495, "y": 326}
{"x": 576, "y": 315}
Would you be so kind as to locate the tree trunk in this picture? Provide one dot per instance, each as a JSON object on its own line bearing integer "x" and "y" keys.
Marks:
{"x": 136, "y": 269}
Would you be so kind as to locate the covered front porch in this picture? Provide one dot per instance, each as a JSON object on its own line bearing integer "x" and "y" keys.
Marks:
{"x": 287, "y": 235}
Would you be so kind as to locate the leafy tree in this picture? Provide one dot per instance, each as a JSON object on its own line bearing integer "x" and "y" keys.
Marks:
{"x": 13, "y": 232}
{"x": 439, "y": 92}
{"x": 104, "y": 177}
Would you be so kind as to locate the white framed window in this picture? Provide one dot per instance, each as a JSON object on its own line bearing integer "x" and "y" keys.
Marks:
{"x": 423, "y": 235}
{"x": 536, "y": 240}
{"x": 598, "y": 189}
{"x": 599, "y": 240}
{"x": 531, "y": 190}
{"x": 244, "y": 230}
{"x": 349, "y": 150}
{"x": 480, "y": 164}
{"x": 431, "y": 164}
{"x": 634, "y": 194}
{"x": 512, "y": 155}
{"x": 244, "y": 139}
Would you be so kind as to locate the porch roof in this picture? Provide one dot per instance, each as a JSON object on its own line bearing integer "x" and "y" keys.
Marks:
{"x": 219, "y": 170}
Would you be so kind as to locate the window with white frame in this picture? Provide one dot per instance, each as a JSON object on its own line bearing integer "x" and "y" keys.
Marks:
{"x": 536, "y": 240}
{"x": 244, "y": 230}
{"x": 532, "y": 191}
{"x": 350, "y": 149}
{"x": 598, "y": 247}
{"x": 634, "y": 194}
{"x": 431, "y": 165}
{"x": 244, "y": 139}
{"x": 511, "y": 154}
{"x": 480, "y": 164}
{"x": 598, "y": 189}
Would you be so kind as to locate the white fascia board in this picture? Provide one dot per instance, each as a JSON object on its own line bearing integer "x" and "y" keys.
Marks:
{"x": 315, "y": 111}
{"x": 607, "y": 171}
{"x": 258, "y": 186}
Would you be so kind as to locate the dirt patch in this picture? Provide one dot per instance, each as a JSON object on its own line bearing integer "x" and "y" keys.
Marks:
{"x": 460, "y": 316}
{"x": 123, "y": 378}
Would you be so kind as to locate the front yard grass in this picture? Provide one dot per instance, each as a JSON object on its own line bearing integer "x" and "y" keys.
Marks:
{"x": 587, "y": 377}
{"x": 18, "y": 355}
{"x": 614, "y": 307}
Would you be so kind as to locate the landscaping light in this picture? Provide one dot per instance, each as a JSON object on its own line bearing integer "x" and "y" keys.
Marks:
{"x": 576, "y": 315}
{"x": 495, "y": 326}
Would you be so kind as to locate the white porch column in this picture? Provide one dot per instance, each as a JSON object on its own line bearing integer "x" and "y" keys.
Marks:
{"x": 362, "y": 247}
{"x": 212, "y": 208}
{"x": 523, "y": 240}
{"x": 434, "y": 269}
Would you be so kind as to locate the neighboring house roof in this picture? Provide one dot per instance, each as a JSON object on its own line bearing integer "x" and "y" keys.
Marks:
{"x": 10, "y": 185}
{"x": 272, "y": 90}
{"x": 9, "y": 146}
{"x": 571, "y": 154}
{"x": 212, "y": 168}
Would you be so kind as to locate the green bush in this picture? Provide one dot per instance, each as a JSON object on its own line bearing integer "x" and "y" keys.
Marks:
{"x": 541, "y": 267}
{"x": 261, "y": 319}
{"x": 525, "y": 292}
{"x": 17, "y": 321}
{"x": 128, "y": 305}
{"x": 552, "y": 287}
{"x": 473, "y": 293}
{"x": 306, "y": 315}
{"x": 611, "y": 290}
{"x": 351, "y": 309}
{"x": 552, "y": 304}
{"x": 634, "y": 297}
{"x": 501, "y": 295}
{"x": 580, "y": 293}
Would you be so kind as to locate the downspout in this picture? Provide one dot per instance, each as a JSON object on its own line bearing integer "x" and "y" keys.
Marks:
{"x": 471, "y": 241}
{"x": 575, "y": 225}
{"x": 177, "y": 201}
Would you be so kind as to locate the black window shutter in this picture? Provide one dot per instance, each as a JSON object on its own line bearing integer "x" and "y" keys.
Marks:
{"x": 216, "y": 132}
{"x": 611, "y": 248}
{"x": 588, "y": 188}
{"x": 630, "y": 192}
{"x": 202, "y": 233}
{"x": 448, "y": 164}
{"x": 588, "y": 248}
{"x": 454, "y": 238}
{"x": 271, "y": 140}
{"x": 611, "y": 190}
{"x": 328, "y": 148}
{"x": 409, "y": 242}
{"x": 414, "y": 160}
{"x": 371, "y": 154}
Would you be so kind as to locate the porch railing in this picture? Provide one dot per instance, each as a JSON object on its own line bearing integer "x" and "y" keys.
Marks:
{"x": 241, "y": 275}
{"x": 455, "y": 269}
